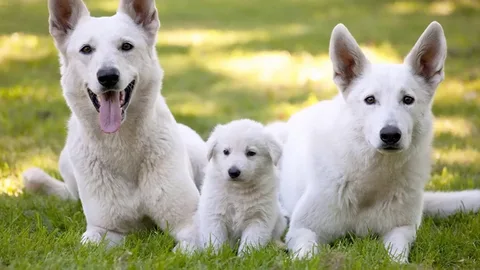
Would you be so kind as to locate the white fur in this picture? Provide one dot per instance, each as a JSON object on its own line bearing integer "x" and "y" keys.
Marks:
{"x": 197, "y": 152}
{"x": 142, "y": 170}
{"x": 278, "y": 129}
{"x": 337, "y": 176}
{"x": 245, "y": 207}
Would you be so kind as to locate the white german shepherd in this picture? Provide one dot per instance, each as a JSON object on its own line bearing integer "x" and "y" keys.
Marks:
{"x": 124, "y": 156}
{"x": 360, "y": 162}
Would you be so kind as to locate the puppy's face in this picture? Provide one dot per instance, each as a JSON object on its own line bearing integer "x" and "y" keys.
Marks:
{"x": 242, "y": 151}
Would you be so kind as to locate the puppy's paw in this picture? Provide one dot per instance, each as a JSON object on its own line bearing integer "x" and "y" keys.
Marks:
{"x": 34, "y": 179}
{"x": 185, "y": 247}
{"x": 280, "y": 244}
{"x": 304, "y": 252}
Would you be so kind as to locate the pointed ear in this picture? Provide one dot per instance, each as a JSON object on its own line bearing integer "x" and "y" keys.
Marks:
{"x": 212, "y": 141}
{"x": 64, "y": 16}
{"x": 143, "y": 13}
{"x": 274, "y": 147}
{"x": 427, "y": 57}
{"x": 347, "y": 58}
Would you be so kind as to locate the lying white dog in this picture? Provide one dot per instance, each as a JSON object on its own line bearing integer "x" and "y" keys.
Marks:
{"x": 360, "y": 161}
{"x": 124, "y": 156}
{"x": 240, "y": 194}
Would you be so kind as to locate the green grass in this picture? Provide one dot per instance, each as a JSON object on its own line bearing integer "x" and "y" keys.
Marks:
{"x": 226, "y": 59}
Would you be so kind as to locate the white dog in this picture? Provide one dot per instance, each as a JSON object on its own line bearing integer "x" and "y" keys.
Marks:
{"x": 360, "y": 161}
{"x": 124, "y": 157}
{"x": 240, "y": 194}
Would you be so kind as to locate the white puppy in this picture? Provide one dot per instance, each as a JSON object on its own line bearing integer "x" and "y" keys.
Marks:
{"x": 240, "y": 194}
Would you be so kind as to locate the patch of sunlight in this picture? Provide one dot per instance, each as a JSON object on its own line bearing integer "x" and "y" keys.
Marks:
{"x": 442, "y": 8}
{"x": 283, "y": 69}
{"x": 455, "y": 126}
{"x": 441, "y": 180}
{"x": 200, "y": 108}
{"x": 284, "y": 110}
{"x": 457, "y": 156}
{"x": 403, "y": 7}
{"x": 209, "y": 38}
{"x": 274, "y": 69}
{"x": 451, "y": 90}
{"x": 12, "y": 183}
{"x": 11, "y": 186}
{"x": 20, "y": 46}
{"x": 31, "y": 93}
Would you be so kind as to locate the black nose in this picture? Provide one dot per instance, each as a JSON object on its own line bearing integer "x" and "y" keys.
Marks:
{"x": 390, "y": 135}
{"x": 234, "y": 172}
{"x": 108, "y": 77}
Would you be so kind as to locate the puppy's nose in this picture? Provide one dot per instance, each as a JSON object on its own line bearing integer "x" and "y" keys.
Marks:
{"x": 234, "y": 172}
{"x": 108, "y": 77}
{"x": 390, "y": 135}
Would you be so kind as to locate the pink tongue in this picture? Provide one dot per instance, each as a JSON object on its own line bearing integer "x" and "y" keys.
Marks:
{"x": 110, "y": 112}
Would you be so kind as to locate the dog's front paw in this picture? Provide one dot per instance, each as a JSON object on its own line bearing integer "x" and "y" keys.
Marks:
{"x": 91, "y": 237}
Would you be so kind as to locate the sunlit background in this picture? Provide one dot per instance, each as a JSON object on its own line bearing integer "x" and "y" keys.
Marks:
{"x": 228, "y": 59}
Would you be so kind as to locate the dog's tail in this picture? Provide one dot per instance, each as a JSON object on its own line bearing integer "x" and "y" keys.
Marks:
{"x": 38, "y": 181}
{"x": 444, "y": 204}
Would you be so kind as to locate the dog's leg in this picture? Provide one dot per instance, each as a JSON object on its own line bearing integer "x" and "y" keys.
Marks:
{"x": 255, "y": 235}
{"x": 213, "y": 232}
{"x": 95, "y": 235}
{"x": 398, "y": 242}
{"x": 302, "y": 239}
{"x": 278, "y": 230}
{"x": 38, "y": 181}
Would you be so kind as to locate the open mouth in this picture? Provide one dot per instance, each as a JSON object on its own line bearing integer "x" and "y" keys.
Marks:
{"x": 111, "y": 106}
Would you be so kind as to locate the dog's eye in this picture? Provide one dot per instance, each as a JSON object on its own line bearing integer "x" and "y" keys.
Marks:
{"x": 226, "y": 152}
{"x": 86, "y": 49}
{"x": 408, "y": 100}
{"x": 370, "y": 100}
{"x": 251, "y": 153}
{"x": 126, "y": 46}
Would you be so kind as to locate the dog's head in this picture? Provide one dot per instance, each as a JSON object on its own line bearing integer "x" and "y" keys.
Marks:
{"x": 389, "y": 100}
{"x": 106, "y": 60}
{"x": 242, "y": 151}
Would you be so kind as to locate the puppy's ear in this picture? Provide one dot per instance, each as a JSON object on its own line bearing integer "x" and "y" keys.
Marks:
{"x": 63, "y": 18}
{"x": 427, "y": 57}
{"x": 347, "y": 58}
{"x": 212, "y": 141}
{"x": 274, "y": 147}
{"x": 144, "y": 13}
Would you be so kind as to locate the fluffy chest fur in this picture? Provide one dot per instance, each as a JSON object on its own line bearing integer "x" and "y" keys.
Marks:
{"x": 237, "y": 205}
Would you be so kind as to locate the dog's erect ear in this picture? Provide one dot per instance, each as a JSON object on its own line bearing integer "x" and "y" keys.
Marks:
{"x": 347, "y": 58}
{"x": 427, "y": 57}
{"x": 64, "y": 16}
{"x": 274, "y": 147}
{"x": 212, "y": 142}
{"x": 143, "y": 13}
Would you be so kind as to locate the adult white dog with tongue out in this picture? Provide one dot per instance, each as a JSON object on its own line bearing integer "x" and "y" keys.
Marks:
{"x": 125, "y": 156}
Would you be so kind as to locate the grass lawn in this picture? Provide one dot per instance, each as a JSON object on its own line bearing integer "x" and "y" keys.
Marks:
{"x": 223, "y": 60}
